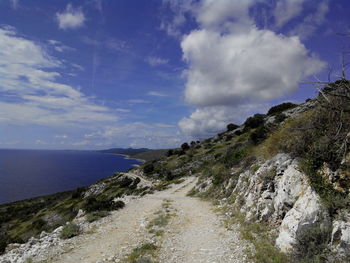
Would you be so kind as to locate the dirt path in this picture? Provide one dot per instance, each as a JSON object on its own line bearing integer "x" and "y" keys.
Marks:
{"x": 195, "y": 234}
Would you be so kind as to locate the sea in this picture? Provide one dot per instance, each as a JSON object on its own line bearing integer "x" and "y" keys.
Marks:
{"x": 31, "y": 173}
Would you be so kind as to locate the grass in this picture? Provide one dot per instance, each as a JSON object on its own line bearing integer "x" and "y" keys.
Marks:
{"x": 70, "y": 230}
{"x": 144, "y": 253}
{"x": 259, "y": 235}
{"x": 94, "y": 216}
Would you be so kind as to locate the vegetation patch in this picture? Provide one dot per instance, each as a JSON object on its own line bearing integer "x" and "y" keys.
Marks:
{"x": 312, "y": 244}
{"x": 144, "y": 253}
{"x": 70, "y": 230}
{"x": 260, "y": 236}
{"x": 281, "y": 107}
{"x": 94, "y": 216}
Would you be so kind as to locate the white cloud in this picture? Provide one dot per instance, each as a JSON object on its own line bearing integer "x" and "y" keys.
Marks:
{"x": 206, "y": 121}
{"x": 287, "y": 10}
{"x": 138, "y": 101}
{"x": 117, "y": 45}
{"x": 311, "y": 22}
{"x": 178, "y": 8}
{"x": 231, "y": 69}
{"x": 64, "y": 136}
{"x": 233, "y": 65}
{"x": 156, "y": 94}
{"x": 58, "y": 46}
{"x": 31, "y": 93}
{"x": 220, "y": 13}
{"x": 156, "y": 61}
{"x": 71, "y": 18}
{"x": 122, "y": 110}
{"x": 139, "y": 134}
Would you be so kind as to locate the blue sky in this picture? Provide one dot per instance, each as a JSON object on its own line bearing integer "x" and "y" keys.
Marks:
{"x": 96, "y": 74}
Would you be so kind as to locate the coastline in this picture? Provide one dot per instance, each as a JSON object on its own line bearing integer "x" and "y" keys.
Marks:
{"x": 128, "y": 157}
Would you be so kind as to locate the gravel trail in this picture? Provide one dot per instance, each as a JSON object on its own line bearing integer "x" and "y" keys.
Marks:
{"x": 195, "y": 234}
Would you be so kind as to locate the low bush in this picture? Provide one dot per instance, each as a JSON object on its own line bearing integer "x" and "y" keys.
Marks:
{"x": 92, "y": 204}
{"x": 311, "y": 244}
{"x": 234, "y": 157}
{"x": 79, "y": 192}
{"x": 94, "y": 216}
{"x": 259, "y": 135}
{"x": 185, "y": 146}
{"x": 254, "y": 122}
{"x": 281, "y": 107}
{"x": 231, "y": 127}
{"x": 148, "y": 168}
{"x": 70, "y": 230}
{"x": 279, "y": 117}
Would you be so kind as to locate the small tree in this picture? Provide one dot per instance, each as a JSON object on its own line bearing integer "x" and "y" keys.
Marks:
{"x": 185, "y": 146}
{"x": 231, "y": 127}
{"x": 255, "y": 121}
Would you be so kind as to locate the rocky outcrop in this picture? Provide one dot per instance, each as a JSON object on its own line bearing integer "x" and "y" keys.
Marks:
{"x": 341, "y": 233}
{"x": 34, "y": 248}
{"x": 277, "y": 192}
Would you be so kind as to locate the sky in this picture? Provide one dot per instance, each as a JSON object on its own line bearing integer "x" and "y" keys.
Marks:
{"x": 97, "y": 74}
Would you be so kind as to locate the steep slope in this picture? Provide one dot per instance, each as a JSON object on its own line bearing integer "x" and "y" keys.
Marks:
{"x": 289, "y": 169}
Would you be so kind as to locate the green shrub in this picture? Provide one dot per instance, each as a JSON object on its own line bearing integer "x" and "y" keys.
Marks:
{"x": 234, "y": 157}
{"x": 217, "y": 180}
{"x": 92, "y": 204}
{"x": 259, "y": 135}
{"x": 93, "y": 216}
{"x": 185, "y": 146}
{"x": 39, "y": 223}
{"x": 77, "y": 193}
{"x": 4, "y": 240}
{"x": 311, "y": 243}
{"x": 281, "y": 107}
{"x": 255, "y": 121}
{"x": 231, "y": 127}
{"x": 70, "y": 230}
{"x": 148, "y": 168}
{"x": 279, "y": 117}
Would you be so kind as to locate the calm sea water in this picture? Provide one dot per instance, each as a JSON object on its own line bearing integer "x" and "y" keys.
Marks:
{"x": 30, "y": 173}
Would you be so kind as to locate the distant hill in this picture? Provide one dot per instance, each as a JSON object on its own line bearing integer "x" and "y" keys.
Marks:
{"x": 150, "y": 155}
{"x": 141, "y": 153}
{"x": 126, "y": 151}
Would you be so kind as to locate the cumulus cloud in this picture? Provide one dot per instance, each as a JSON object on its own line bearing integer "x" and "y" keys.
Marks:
{"x": 232, "y": 69}
{"x": 71, "y": 18}
{"x": 206, "y": 121}
{"x": 232, "y": 64}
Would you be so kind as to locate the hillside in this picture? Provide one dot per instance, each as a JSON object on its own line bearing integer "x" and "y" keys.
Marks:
{"x": 125, "y": 151}
{"x": 280, "y": 184}
{"x": 285, "y": 176}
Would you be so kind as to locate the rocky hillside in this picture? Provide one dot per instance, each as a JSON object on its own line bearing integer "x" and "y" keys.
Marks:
{"x": 287, "y": 171}
{"x": 283, "y": 177}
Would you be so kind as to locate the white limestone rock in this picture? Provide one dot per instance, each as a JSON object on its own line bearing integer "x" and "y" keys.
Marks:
{"x": 306, "y": 212}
